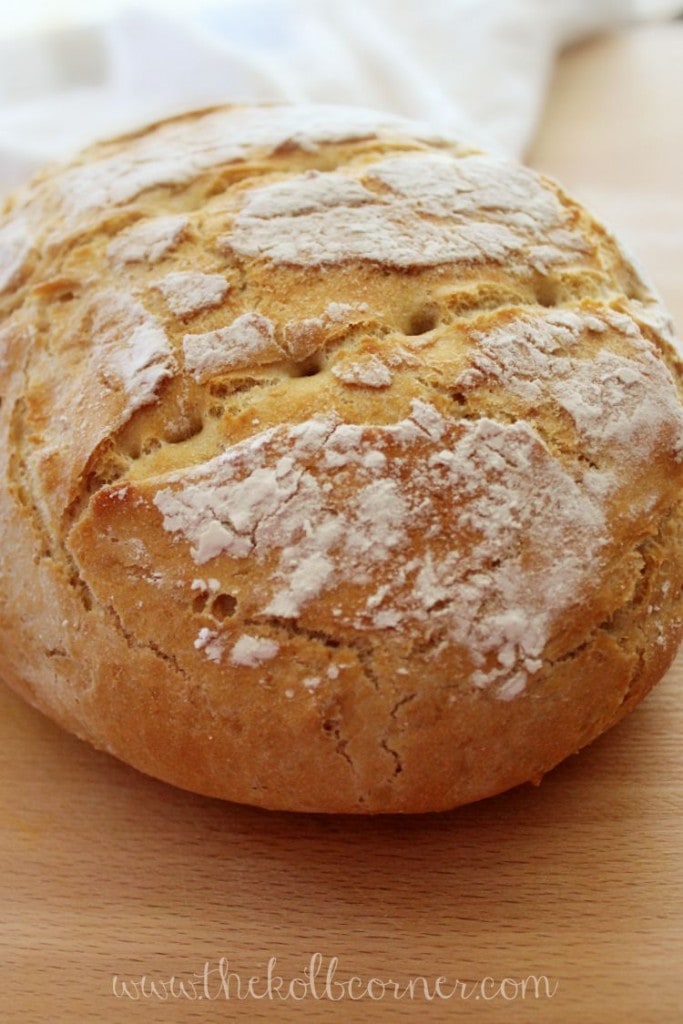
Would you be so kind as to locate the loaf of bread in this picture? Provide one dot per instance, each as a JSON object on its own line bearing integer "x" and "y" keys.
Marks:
{"x": 340, "y": 463}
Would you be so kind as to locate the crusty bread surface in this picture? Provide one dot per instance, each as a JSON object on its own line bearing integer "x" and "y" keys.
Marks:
{"x": 340, "y": 463}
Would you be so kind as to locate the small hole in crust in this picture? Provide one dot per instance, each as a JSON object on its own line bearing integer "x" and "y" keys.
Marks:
{"x": 547, "y": 291}
{"x": 151, "y": 444}
{"x": 199, "y": 603}
{"x": 234, "y": 385}
{"x": 110, "y": 469}
{"x": 308, "y": 368}
{"x": 215, "y": 411}
{"x": 459, "y": 398}
{"x": 423, "y": 320}
{"x": 224, "y": 606}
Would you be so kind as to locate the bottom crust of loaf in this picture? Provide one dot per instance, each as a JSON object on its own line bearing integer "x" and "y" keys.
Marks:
{"x": 429, "y": 752}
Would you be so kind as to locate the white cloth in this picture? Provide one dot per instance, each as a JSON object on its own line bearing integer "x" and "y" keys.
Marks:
{"x": 475, "y": 68}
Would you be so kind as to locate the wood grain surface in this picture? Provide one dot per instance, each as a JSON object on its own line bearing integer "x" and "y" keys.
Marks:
{"x": 104, "y": 872}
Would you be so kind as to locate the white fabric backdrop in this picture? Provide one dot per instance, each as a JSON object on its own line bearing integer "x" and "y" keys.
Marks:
{"x": 478, "y": 68}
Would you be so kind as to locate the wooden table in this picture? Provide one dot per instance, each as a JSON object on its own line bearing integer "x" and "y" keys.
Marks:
{"x": 104, "y": 872}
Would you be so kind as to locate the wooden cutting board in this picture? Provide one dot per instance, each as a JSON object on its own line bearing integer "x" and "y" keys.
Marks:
{"x": 105, "y": 873}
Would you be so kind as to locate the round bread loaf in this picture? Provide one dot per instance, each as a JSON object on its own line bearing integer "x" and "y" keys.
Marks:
{"x": 340, "y": 463}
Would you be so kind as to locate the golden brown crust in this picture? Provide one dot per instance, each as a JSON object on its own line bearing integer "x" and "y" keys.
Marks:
{"x": 340, "y": 465}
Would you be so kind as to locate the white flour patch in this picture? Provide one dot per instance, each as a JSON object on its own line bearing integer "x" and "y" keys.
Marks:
{"x": 623, "y": 404}
{"x": 178, "y": 151}
{"x": 370, "y": 373}
{"x": 252, "y": 651}
{"x": 248, "y": 340}
{"x": 211, "y": 644}
{"x": 130, "y": 348}
{"x": 471, "y": 526}
{"x": 189, "y": 291}
{"x": 435, "y": 209}
{"x": 148, "y": 241}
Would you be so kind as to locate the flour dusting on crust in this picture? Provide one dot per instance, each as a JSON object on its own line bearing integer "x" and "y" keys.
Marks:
{"x": 211, "y": 643}
{"x": 247, "y": 341}
{"x": 623, "y": 404}
{"x": 370, "y": 373}
{"x": 502, "y": 539}
{"x": 130, "y": 348}
{"x": 433, "y": 210}
{"x": 15, "y": 246}
{"x": 176, "y": 151}
{"x": 302, "y": 337}
{"x": 189, "y": 291}
{"x": 149, "y": 241}
{"x": 252, "y": 651}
